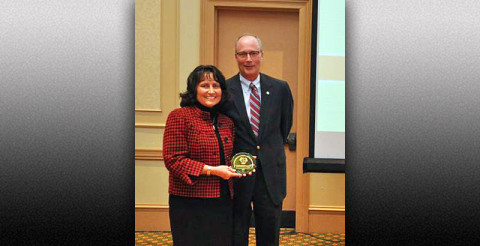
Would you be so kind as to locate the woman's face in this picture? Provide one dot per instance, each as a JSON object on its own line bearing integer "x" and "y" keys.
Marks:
{"x": 209, "y": 92}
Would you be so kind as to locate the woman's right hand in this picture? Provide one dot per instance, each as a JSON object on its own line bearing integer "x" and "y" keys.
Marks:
{"x": 225, "y": 172}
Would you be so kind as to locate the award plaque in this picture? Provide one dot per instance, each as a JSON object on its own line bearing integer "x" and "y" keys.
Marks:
{"x": 243, "y": 163}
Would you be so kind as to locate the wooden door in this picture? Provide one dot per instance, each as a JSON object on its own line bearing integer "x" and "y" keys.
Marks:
{"x": 279, "y": 34}
{"x": 285, "y": 30}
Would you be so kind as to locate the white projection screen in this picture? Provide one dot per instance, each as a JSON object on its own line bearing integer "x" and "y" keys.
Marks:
{"x": 327, "y": 126}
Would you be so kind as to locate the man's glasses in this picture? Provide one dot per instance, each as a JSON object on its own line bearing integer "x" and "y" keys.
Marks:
{"x": 253, "y": 54}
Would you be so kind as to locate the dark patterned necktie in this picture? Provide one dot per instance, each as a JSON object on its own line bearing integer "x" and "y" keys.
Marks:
{"x": 254, "y": 109}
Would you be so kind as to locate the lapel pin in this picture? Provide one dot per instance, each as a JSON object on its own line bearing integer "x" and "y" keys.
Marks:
{"x": 268, "y": 93}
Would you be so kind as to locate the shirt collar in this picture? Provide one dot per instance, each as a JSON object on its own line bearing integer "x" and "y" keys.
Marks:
{"x": 246, "y": 82}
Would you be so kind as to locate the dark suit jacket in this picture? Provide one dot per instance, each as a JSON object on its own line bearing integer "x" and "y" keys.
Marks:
{"x": 276, "y": 114}
{"x": 189, "y": 142}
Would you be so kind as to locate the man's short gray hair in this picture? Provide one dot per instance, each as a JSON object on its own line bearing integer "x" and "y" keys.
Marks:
{"x": 249, "y": 35}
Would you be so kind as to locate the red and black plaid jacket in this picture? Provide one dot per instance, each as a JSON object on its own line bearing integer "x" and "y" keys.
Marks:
{"x": 189, "y": 142}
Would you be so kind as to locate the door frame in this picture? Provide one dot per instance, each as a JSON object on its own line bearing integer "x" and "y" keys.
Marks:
{"x": 208, "y": 44}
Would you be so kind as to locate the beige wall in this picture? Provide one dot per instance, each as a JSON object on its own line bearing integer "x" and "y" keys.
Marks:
{"x": 166, "y": 51}
{"x": 327, "y": 202}
{"x": 327, "y": 190}
{"x": 167, "y": 48}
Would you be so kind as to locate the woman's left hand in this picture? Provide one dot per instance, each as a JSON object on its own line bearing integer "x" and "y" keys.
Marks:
{"x": 225, "y": 172}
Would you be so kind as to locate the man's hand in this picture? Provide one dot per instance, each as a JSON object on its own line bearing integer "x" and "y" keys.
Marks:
{"x": 250, "y": 173}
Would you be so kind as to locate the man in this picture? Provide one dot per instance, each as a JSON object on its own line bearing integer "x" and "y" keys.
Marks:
{"x": 262, "y": 109}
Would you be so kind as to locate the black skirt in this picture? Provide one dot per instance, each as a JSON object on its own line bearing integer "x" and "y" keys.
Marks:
{"x": 202, "y": 221}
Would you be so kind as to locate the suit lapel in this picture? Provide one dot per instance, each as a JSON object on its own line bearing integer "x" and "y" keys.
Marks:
{"x": 239, "y": 101}
{"x": 265, "y": 85}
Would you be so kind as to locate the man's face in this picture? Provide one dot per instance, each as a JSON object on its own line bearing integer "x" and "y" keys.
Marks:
{"x": 249, "y": 57}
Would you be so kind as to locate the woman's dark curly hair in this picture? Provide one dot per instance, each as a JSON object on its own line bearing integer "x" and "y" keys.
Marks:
{"x": 189, "y": 97}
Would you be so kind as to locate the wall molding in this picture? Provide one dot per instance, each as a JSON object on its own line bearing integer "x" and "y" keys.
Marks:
{"x": 149, "y": 110}
{"x": 150, "y": 206}
{"x": 155, "y": 217}
{"x": 159, "y": 126}
{"x": 326, "y": 219}
{"x": 151, "y": 217}
{"x": 148, "y": 154}
{"x": 326, "y": 208}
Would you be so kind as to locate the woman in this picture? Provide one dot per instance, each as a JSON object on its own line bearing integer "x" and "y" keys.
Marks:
{"x": 197, "y": 148}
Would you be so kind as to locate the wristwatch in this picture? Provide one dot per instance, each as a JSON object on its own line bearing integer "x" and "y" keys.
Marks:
{"x": 209, "y": 168}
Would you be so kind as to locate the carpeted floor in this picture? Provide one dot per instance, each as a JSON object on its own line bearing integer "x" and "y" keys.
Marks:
{"x": 287, "y": 237}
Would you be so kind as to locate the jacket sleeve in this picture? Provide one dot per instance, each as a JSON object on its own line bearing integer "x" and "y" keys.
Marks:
{"x": 175, "y": 149}
{"x": 287, "y": 112}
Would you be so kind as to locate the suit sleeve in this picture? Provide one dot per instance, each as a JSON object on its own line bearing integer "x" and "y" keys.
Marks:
{"x": 287, "y": 112}
{"x": 175, "y": 149}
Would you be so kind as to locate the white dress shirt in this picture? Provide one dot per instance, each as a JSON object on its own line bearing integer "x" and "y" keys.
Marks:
{"x": 247, "y": 90}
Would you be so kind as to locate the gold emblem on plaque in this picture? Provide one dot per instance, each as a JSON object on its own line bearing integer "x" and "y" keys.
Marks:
{"x": 243, "y": 163}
